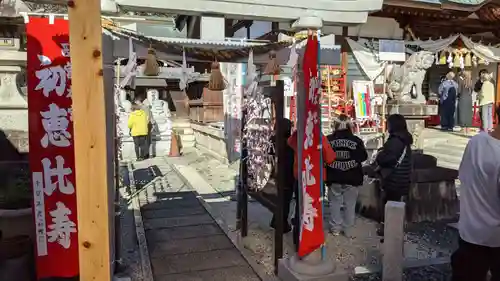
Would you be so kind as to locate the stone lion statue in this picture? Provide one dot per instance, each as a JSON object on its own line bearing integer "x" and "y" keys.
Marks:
{"x": 410, "y": 76}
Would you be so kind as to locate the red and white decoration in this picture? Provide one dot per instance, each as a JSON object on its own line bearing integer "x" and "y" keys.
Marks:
{"x": 312, "y": 235}
{"x": 51, "y": 147}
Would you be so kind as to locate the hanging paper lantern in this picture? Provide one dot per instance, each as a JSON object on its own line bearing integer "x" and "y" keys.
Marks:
{"x": 449, "y": 60}
{"x": 151, "y": 67}
{"x": 468, "y": 59}
{"x": 474, "y": 61}
{"x": 481, "y": 61}
{"x": 456, "y": 58}
{"x": 216, "y": 80}
{"x": 442, "y": 58}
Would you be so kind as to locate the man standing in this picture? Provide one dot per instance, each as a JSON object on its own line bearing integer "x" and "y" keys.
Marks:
{"x": 146, "y": 107}
{"x": 479, "y": 224}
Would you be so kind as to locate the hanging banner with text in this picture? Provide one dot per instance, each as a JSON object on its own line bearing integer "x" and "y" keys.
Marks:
{"x": 311, "y": 236}
{"x": 51, "y": 154}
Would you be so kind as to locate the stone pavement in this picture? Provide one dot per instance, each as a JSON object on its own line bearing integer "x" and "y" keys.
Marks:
{"x": 361, "y": 253}
{"x": 447, "y": 147}
{"x": 185, "y": 243}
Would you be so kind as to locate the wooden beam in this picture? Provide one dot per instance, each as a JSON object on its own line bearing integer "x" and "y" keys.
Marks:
{"x": 90, "y": 140}
{"x": 497, "y": 98}
{"x": 232, "y": 28}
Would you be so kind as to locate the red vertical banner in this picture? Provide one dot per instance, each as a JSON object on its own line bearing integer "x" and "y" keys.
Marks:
{"x": 312, "y": 235}
{"x": 51, "y": 156}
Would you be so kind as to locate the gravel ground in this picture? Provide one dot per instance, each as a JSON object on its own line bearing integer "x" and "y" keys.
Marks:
{"x": 422, "y": 240}
{"x": 437, "y": 234}
{"x": 427, "y": 273}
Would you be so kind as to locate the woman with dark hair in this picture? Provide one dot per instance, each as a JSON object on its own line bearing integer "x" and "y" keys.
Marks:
{"x": 465, "y": 99}
{"x": 395, "y": 162}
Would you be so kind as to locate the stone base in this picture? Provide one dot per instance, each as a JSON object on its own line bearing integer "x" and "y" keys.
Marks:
{"x": 13, "y": 119}
{"x": 432, "y": 197}
{"x": 159, "y": 147}
{"x": 287, "y": 271}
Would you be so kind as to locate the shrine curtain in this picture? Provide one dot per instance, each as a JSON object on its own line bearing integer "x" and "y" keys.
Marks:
{"x": 487, "y": 53}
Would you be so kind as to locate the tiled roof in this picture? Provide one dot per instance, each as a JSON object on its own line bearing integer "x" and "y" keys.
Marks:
{"x": 202, "y": 49}
{"x": 468, "y": 2}
{"x": 460, "y": 2}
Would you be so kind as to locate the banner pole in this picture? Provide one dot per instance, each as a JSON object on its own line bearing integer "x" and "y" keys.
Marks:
{"x": 322, "y": 187}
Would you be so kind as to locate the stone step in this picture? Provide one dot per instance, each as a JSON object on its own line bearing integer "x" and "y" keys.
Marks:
{"x": 181, "y": 124}
{"x": 191, "y": 245}
{"x": 459, "y": 143}
{"x": 448, "y": 160}
{"x": 200, "y": 261}
{"x": 159, "y": 223}
{"x": 449, "y": 165}
{"x": 187, "y": 138}
{"x": 445, "y": 151}
{"x": 190, "y": 143}
{"x": 239, "y": 273}
{"x": 187, "y": 131}
{"x": 184, "y": 131}
{"x": 448, "y": 147}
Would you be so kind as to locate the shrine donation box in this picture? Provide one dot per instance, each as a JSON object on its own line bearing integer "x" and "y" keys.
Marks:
{"x": 209, "y": 108}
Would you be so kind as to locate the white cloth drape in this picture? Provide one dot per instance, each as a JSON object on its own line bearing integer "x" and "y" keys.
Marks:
{"x": 130, "y": 70}
{"x": 367, "y": 59}
{"x": 488, "y": 53}
{"x": 434, "y": 45}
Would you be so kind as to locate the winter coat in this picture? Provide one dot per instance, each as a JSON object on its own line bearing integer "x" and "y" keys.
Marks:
{"x": 138, "y": 123}
{"x": 445, "y": 87}
{"x": 487, "y": 94}
{"x": 288, "y": 154}
{"x": 397, "y": 179}
{"x": 351, "y": 153}
{"x": 327, "y": 151}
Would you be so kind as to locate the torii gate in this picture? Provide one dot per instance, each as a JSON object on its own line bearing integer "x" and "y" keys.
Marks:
{"x": 91, "y": 146}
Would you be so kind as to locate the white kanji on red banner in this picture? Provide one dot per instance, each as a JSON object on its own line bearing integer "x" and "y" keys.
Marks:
{"x": 61, "y": 227}
{"x": 61, "y": 173}
{"x": 55, "y": 122}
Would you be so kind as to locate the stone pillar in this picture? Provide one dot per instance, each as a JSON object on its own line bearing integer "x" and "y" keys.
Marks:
{"x": 392, "y": 261}
{"x": 212, "y": 28}
{"x": 13, "y": 102}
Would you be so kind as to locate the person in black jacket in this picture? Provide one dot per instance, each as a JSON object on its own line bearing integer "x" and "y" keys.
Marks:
{"x": 395, "y": 162}
{"x": 344, "y": 175}
{"x": 479, "y": 82}
{"x": 290, "y": 185}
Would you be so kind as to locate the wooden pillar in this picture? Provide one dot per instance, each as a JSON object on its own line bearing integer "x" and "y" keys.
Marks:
{"x": 91, "y": 161}
{"x": 344, "y": 59}
{"x": 497, "y": 98}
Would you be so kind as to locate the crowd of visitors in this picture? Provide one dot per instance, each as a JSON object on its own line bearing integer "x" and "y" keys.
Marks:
{"x": 343, "y": 155}
{"x": 456, "y": 98}
{"x": 345, "y": 159}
